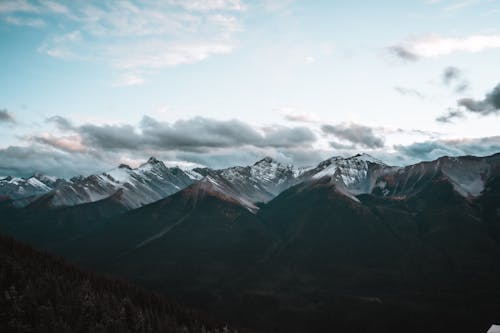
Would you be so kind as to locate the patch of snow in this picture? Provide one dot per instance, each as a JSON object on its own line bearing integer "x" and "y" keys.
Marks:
{"x": 494, "y": 329}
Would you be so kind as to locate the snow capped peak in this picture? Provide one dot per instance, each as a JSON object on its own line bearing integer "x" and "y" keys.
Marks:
{"x": 152, "y": 163}
{"x": 153, "y": 160}
{"x": 266, "y": 160}
{"x": 124, "y": 166}
{"x": 367, "y": 158}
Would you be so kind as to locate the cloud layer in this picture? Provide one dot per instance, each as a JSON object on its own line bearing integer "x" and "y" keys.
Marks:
{"x": 433, "y": 46}
{"x": 134, "y": 39}
{"x": 356, "y": 136}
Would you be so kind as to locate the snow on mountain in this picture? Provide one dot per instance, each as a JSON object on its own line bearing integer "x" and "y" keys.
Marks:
{"x": 357, "y": 173}
{"x": 223, "y": 189}
{"x": 259, "y": 182}
{"x": 251, "y": 184}
{"x": 149, "y": 182}
{"x": 17, "y": 187}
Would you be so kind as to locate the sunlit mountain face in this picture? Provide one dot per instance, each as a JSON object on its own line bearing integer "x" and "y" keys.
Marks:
{"x": 251, "y": 166}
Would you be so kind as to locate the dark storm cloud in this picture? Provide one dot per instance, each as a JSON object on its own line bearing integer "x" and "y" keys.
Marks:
{"x": 90, "y": 148}
{"x": 195, "y": 135}
{"x": 110, "y": 136}
{"x": 6, "y": 116}
{"x": 358, "y": 135}
{"x": 430, "y": 150}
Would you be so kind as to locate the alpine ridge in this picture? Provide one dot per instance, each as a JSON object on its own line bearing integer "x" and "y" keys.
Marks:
{"x": 413, "y": 247}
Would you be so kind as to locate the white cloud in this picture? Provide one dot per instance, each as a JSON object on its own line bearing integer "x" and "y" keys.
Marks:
{"x": 309, "y": 60}
{"x": 293, "y": 115}
{"x": 158, "y": 54}
{"x": 206, "y": 5}
{"x": 461, "y": 5}
{"x": 63, "y": 46}
{"x": 432, "y": 46}
{"x": 143, "y": 38}
{"x": 28, "y": 22}
{"x": 55, "y": 7}
{"x": 129, "y": 80}
{"x": 14, "y": 6}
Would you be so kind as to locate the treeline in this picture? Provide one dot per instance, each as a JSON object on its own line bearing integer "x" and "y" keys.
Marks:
{"x": 42, "y": 293}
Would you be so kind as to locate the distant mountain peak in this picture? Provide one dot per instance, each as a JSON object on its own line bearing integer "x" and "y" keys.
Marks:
{"x": 266, "y": 159}
{"x": 153, "y": 160}
{"x": 367, "y": 158}
{"x": 124, "y": 166}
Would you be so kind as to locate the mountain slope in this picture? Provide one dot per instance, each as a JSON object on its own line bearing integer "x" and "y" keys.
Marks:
{"x": 18, "y": 188}
{"x": 259, "y": 182}
{"x": 41, "y": 293}
{"x": 414, "y": 247}
{"x": 150, "y": 182}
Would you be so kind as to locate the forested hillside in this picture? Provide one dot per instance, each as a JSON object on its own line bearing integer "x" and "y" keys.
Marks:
{"x": 42, "y": 293}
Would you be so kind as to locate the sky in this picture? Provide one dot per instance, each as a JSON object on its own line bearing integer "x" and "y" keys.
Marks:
{"x": 87, "y": 85}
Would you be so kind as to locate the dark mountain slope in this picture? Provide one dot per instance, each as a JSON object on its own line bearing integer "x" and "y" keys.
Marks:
{"x": 416, "y": 253}
{"x": 420, "y": 262}
{"x": 41, "y": 293}
{"x": 42, "y": 225}
{"x": 200, "y": 240}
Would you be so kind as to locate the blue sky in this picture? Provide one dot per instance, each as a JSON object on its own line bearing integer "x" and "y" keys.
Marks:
{"x": 87, "y": 85}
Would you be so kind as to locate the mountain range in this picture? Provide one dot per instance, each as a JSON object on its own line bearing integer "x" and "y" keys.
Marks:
{"x": 351, "y": 245}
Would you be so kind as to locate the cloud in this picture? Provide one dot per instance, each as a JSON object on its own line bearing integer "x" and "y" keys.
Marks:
{"x": 309, "y": 60}
{"x": 453, "y": 77}
{"x": 25, "y": 161}
{"x": 430, "y": 150}
{"x": 433, "y": 46}
{"x": 191, "y": 135}
{"x": 63, "y": 46}
{"x": 207, "y": 5}
{"x": 129, "y": 79}
{"x": 216, "y": 143}
{"x": 450, "y": 116}
{"x": 14, "y": 6}
{"x": 490, "y": 104}
{"x": 461, "y": 5}
{"x": 22, "y": 21}
{"x": 6, "y": 116}
{"x": 295, "y": 116}
{"x": 110, "y": 136}
{"x": 200, "y": 133}
{"x": 72, "y": 143}
{"x": 61, "y": 123}
{"x": 409, "y": 92}
{"x": 159, "y": 54}
{"x": 357, "y": 135}
{"x": 132, "y": 38}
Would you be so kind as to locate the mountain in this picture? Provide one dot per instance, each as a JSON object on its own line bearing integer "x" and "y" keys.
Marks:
{"x": 42, "y": 224}
{"x": 42, "y": 293}
{"x": 201, "y": 239}
{"x": 149, "y": 182}
{"x": 153, "y": 181}
{"x": 351, "y": 244}
{"x": 357, "y": 174}
{"x": 17, "y": 188}
{"x": 259, "y": 182}
{"x": 467, "y": 174}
